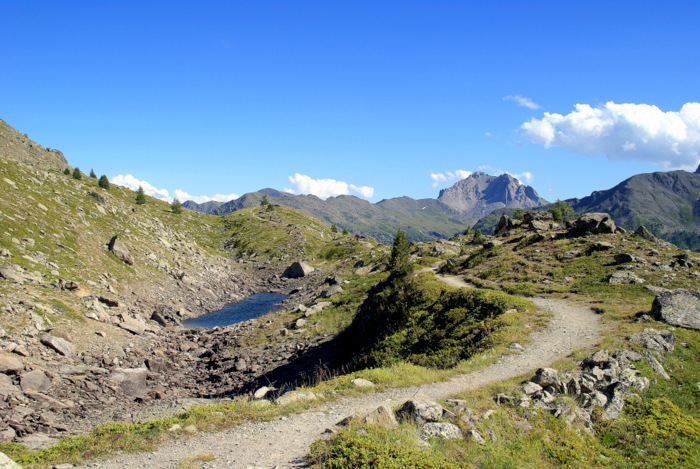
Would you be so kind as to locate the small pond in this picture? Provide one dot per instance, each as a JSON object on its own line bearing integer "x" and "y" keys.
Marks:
{"x": 250, "y": 308}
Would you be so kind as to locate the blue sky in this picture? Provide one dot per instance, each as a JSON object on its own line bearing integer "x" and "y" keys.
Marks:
{"x": 378, "y": 99}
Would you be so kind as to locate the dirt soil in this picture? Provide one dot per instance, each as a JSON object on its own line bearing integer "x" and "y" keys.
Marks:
{"x": 286, "y": 441}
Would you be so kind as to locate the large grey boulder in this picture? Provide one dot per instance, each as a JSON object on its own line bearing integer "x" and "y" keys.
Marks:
{"x": 662, "y": 341}
{"x": 36, "y": 381}
{"x": 59, "y": 344}
{"x": 441, "y": 430}
{"x": 593, "y": 223}
{"x": 420, "y": 411}
{"x": 678, "y": 308}
{"x": 120, "y": 251}
{"x": 298, "y": 270}
{"x": 643, "y": 233}
{"x": 132, "y": 381}
{"x": 10, "y": 365}
{"x": 296, "y": 396}
{"x": 7, "y": 388}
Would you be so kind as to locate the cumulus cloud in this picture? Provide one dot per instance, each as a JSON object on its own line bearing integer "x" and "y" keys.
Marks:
{"x": 325, "y": 188}
{"x": 523, "y": 178}
{"x": 522, "y": 101}
{"x": 449, "y": 176}
{"x": 200, "y": 199}
{"x": 131, "y": 182}
{"x": 634, "y": 132}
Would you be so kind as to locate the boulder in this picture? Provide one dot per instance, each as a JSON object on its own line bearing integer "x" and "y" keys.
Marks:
{"x": 60, "y": 345}
{"x": 546, "y": 377}
{"x": 643, "y": 233}
{"x": 10, "y": 365}
{"x": 623, "y": 277}
{"x": 441, "y": 430}
{"x": 505, "y": 223}
{"x": 331, "y": 291}
{"x": 420, "y": 411}
{"x": 7, "y": 388}
{"x": 655, "y": 364}
{"x": 298, "y": 270}
{"x": 624, "y": 258}
{"x": 36, "y": 381}
{"x": 132, "y": 381}
{"x": 296, "y": 396}
{"x": 120, "y": 251}
{"x": 7, "y": 463}
{"x": 362, "y": 383}
{"x": 382, "y": 415}
{"x": 678, "y": 308}
{"x": 132, "y": 325}
{"x": 593, "y": 223}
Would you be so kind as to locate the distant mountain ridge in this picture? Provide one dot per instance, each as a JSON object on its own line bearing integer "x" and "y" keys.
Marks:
{"x": 420, "y": 219}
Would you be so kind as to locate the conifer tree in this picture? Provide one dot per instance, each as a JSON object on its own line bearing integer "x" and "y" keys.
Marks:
{"x": 176, "y": 207}
{"x": 66, "y": 171}
{"x": 334, "y": 229}
{"x": 345, "y": 232}
{"x": 264, "y": 201}
{"x": 103, "y": 182}
{"x": 400, "y": 260}
{"x": 140, "y": 196}
{"x": 477, "y": 236}
{"x": 92, "y": 174}
{"x": 77, "y": 174}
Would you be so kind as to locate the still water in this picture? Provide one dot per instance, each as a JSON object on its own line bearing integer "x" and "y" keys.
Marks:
{"x": 250, "y": 308}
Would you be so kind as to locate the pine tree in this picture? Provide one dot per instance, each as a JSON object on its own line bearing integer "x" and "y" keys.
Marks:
{"x": 345, "y": 232}
{"x": 561, "y": 211}
{"x": 92, "y": 174}
{"x": 477, "y": 236}
{"x": 103, "y": 182}
{"x": 264, "y": 201}
{"x": 176, "y": 207}
{"x": 77, "y": 174}
{"x": 140, "y": 196}
{"x": 519, "y": 214}
{"x": 400, "y": 260}
{"x": 66, "y": 171}
{"x": 334, "y": 229}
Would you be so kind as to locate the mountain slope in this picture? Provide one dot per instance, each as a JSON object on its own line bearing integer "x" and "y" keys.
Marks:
{"x": 422, "y": 220}
{"x": 668, "y": 203}
{"x": 20, "y": 148}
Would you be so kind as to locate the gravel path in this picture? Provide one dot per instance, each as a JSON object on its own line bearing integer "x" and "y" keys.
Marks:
{"x": 285, "y": 442}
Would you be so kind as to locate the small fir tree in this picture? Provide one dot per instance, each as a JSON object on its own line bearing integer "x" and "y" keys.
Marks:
{"x": 103, "y": 182}
{"x": 345, "y": 232}
{"x": 477, "y": 236}
{"x": 92, "y": 174}
{"x": 400, "y": 260}
{"x": 77, "y": 174}
{"x": 264, "y": 201}
{"x": 561, "y": 211}
{"x": 66, "y": 171}
{"x": 519, "y": 214}
{"x": 334, "y": 229}
{"x": 140, "y": 196}
{"x": 176, "y": 207}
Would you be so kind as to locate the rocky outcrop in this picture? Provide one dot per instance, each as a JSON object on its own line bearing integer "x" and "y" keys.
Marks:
{"x": 593, "y": 223}
{"x": 120, "y": 251}
{"x": 678, "y": 308}
{"x": 298, "y": 270}
{"x": 643, "y": 233}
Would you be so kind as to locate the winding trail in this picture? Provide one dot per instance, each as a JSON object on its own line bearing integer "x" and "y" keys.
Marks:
{"x": 286, "y": 441}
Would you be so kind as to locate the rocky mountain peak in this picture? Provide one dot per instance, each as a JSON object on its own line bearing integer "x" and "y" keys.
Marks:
{"x": 20, "y": 147}
{"x": 480, "y": 194}
{"x": 697, "y": 171}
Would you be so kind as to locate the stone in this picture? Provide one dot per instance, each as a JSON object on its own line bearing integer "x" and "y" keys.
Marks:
{"x": 7, "y": 463}
{"x": 120, "y": 251}
{"x": 624, "y": 276}
{"x": 59, "y": 344}
{"x": 531, "y": 388}
{"x": 12, "y": 273}
{"x": 362, "y": 383}
{"x": 299, "y": 323}
{"x": 36, "y": 381}
{"x": 331, "y": 291}
{"x": 132, "y": 325}
{"x": 298, "y": 270}
{"x": 678, "y": 308}
{"x": 296, "y": 396}
{"x": 132, "y": 381}
{"x": 662, "y": 341}
{"x": 382, "y": 415}
{"x": 155, "y": 365}
{"x": 420, "y": 411}
{"x": 624, "y": 258}
{"x": 441, "y": 430}
{"x": 655, "y": 364}
{"x": 593, "y": 223}
{"x": 600, "y": 358}
{"x": 10, "y": 365}
{"x": 7, "y": 388}
{"x": 505, "y": 223}
{"x": 546, "y": 377}
{"x": 476, "y": 437}
{"x": 262, "y": 392}
{"x": 644, "y": 233}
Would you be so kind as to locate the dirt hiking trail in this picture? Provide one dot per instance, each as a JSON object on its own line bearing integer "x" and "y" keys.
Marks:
{"x": 285, "y": 442}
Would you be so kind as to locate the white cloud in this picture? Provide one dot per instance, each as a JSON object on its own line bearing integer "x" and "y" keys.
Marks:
{"x": 522, "y": 101}
{"x": 131, "y": 182}
{"x": 183, "y": 196}
{"x": 325, "y": 188}
{"x": 449, "y": 176}
{"x": 635, "y": 132}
